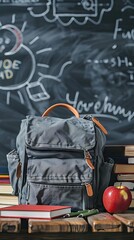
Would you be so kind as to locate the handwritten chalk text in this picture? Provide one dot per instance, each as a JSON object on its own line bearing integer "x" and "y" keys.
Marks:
{"x": 99, "y": 107}
{"x": 119, "y": 31}
{"x": 6, "y": 68}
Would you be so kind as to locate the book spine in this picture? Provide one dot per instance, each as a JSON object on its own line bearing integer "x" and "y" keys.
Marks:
{"x": 130, "y": 160}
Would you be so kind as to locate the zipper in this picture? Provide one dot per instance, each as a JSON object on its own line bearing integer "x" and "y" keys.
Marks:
{"x": 88, "y": 186}
{"x": 89, "y": 192}
{"x": 37, "y": 181}
{"x": 66, "y": 149}
{"x": 88, "y": 159}
{"x": 89, "y": 189}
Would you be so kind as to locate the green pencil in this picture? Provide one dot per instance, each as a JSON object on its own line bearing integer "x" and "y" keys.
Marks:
{"x": 75, "y": 214}
{"x": 88, "y": 213}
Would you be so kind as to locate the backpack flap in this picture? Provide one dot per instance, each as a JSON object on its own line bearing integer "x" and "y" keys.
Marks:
{"x": 72, "y": 133}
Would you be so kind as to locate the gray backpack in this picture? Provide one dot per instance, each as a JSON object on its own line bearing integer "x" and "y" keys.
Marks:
{"x": 60, "y": 161}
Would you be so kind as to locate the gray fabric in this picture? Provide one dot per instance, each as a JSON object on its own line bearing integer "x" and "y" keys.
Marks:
{"x": 72, "y": 133}
{"x": 54, "y": 171}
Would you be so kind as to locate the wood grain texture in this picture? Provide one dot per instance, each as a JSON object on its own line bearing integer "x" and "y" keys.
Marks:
{"x": 58, "y": 225}
{"x": 10, "y": 225}
{"x": 127, "y": 219}
{"x": 104, "y": 222}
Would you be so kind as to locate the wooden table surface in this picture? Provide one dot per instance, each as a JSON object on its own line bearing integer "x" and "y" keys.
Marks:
{"x": 24, "y": 235}
{"x": 67, "y": 236}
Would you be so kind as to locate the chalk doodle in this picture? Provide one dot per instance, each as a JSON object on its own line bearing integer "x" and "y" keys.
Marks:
{"x": 12, "y": 65}
{"x": 78, "y": 11}
{"x": 127, "y": 5}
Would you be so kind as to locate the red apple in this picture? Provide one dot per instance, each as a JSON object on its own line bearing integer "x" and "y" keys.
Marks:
{"x": 116, "y": 199}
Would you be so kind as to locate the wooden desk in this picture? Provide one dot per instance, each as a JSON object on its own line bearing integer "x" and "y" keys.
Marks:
{"x": 67, "y": 236}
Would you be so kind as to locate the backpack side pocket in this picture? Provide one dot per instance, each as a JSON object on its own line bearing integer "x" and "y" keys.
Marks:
{"x": 13, "y": 162}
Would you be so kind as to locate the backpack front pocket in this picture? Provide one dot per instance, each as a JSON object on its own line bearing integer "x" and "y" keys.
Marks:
{"x": 58, "y": 178}
{"x": 58, "y": 194}
{"x": 13, "y": 161}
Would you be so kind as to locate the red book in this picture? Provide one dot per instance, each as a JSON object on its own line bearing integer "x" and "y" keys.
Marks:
{"x": 34, "y": 211}
{"x": 4, "y": 181}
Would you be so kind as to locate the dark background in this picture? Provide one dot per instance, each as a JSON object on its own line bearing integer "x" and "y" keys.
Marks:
{"x": 78, "y": 52}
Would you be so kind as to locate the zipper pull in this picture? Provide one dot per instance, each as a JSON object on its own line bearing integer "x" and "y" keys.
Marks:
{"x": 89, "y": 189}
{"x": 88, "y": 160}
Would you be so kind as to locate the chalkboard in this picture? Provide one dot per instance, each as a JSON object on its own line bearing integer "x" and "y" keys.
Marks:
{"x": 76, "y": 51}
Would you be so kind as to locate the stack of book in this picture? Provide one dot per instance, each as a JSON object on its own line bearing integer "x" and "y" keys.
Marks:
{"x": 125, "y": 177}
{"x": 129, "y": 153}
{"x": 6, "y": 192}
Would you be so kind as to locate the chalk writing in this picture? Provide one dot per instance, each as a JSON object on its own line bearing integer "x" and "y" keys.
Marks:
{"x": 8, "y": 67}
{"x": 99, "y": 107}
{"x": 114, "y": 61}
{"x": 119, "y": 31}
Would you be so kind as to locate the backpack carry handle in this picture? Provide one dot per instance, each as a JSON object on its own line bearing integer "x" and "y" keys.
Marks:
{"x": 69, "y": 107}
{"x": 75, "y": 112}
